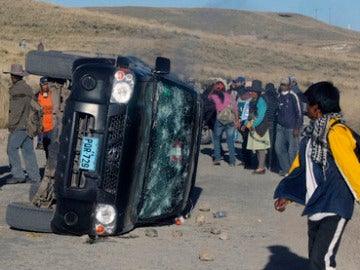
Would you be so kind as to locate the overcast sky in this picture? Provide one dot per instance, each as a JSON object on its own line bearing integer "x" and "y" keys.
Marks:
{"x": 343, "y": 13}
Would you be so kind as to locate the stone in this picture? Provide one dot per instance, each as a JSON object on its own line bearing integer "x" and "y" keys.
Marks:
{"x": 200, "y": 220}
{"x": 206, "y": 255}
{"x": 204, "y": 207}
{"x": 215, "y": 230}
{"x": 151, "y": 233}
{"x": 177, "y": 234}
{"x": 224, "y": 236}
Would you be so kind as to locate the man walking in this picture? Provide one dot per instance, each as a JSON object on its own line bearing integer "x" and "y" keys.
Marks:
{"x": 20, "y": 95}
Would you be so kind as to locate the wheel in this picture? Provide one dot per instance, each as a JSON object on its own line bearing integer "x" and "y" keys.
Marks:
{"x": 52, "y": 64}
{"x": 206, "y": 136}
{"x": 32, "y": 191}
{"x": 23, "y": 216}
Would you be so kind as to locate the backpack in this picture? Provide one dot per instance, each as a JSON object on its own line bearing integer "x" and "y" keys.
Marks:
{"x": 209, "y": 113}
{"x": 355, "y": 136}
{"x": 34, "y": 125}
{"x": 227, "y": 116}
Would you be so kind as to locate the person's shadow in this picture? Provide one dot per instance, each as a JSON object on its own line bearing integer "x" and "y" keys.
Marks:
{"x": 282, "y": 258}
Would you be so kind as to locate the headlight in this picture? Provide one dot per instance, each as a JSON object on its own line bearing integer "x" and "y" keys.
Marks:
{"x": 123, "y": 87}
{"x": 105, "y": 214}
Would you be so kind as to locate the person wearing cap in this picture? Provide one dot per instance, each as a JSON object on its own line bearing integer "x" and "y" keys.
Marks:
{"x": 237, "y": 87}
{"x": 20, "y": 95}
{"x": 257, "y": 124}
{"x": 222, "y": 100}
{"x": 289, "y": 121}
{"x": 45, "y": 100}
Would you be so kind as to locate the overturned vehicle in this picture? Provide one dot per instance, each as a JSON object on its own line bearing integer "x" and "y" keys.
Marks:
{"x": 127, "y": 147}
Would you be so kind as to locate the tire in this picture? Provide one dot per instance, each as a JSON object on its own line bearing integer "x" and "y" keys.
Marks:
{"x": 32, "y": 191}
{"x": 52, "y": 64}
{"x": 206, "y": 136}
{"x": 23, "y": 216}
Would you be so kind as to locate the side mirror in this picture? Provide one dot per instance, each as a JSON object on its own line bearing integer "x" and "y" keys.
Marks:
{"x": 162, "y": 65}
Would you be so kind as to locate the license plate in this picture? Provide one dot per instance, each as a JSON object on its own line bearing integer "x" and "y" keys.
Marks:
{"x": 88, "y": 154}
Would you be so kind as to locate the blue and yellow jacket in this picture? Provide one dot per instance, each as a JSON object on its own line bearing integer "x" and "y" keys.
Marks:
{"x": 340, "y": 185}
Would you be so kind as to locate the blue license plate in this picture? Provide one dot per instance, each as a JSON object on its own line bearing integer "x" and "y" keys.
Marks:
{"x": 88, "y": 154}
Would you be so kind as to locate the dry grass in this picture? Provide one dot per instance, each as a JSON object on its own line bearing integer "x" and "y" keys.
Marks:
{"x": 200, "y": 42}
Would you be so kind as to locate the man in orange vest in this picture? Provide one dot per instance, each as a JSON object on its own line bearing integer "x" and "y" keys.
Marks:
{"x": 44, "y": 99}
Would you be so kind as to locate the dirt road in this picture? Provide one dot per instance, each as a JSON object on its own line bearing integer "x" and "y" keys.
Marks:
{"x": 254, "y": 236}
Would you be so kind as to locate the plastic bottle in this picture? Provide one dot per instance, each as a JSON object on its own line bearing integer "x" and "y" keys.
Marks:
{"x": 179, "y": 220}
{"x": 236, "y": 135}
{"x": 220, "y": 214}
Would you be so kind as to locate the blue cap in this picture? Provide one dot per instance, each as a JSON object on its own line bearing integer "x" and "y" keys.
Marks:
{"x": 239, "y": 79}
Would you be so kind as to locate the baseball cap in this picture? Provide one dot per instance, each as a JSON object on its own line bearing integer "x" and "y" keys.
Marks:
{"x": 239, "y": 79}
{"x": 43, "y": 80}
{"x": 285, "y": 81}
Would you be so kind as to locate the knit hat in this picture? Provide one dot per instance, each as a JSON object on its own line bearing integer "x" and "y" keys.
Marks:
{"x": 293, "y": 79}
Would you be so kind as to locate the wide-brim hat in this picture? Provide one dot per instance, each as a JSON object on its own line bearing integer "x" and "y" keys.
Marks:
{"x": 17, "y": 69}
{"x": 256, "y": 86}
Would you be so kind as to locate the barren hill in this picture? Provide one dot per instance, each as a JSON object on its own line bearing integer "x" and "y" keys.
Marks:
{"x": 201, "y": 42}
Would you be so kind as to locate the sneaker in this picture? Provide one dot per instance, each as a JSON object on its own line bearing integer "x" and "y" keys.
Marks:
{"x": 15, "y": 180}
{"x": 39, "y": 146}
{"x": 232, "y": 164}
{"x": 216, "y": 162}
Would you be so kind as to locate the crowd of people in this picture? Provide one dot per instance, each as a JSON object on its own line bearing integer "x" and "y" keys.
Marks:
{"x": 319, "y": 161}
{"x": 269, "y": 121}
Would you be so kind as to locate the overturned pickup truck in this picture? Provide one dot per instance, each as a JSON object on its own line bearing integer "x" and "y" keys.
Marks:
{"x": 128, "y": 146}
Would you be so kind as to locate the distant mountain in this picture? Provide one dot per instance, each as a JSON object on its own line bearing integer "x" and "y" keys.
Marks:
{"x": 289, "y": 27}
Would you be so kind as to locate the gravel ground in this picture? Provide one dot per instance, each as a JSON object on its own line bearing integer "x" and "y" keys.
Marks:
{"x": 252, "y": 235}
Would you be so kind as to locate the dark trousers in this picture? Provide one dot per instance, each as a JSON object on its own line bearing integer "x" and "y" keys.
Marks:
{"x": 271, "y": 158}
{"x": 324, "y": 240}
{"x": 246, "y": 155}
{"x": 46, "y": 140}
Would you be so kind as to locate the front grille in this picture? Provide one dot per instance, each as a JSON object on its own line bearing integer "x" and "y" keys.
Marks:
{"x": 113, "y": 153}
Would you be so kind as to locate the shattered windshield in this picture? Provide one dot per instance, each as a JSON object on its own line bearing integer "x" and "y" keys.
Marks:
{"x": 170, "y": 146}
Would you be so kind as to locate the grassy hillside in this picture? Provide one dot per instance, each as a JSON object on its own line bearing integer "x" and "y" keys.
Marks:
{"x": 200, "y": 42}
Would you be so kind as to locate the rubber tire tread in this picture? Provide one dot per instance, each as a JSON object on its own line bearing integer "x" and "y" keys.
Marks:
{"x": 52, "y": 64}
{"x": 23, "y": 216}
{"x": 32, "y": 191}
